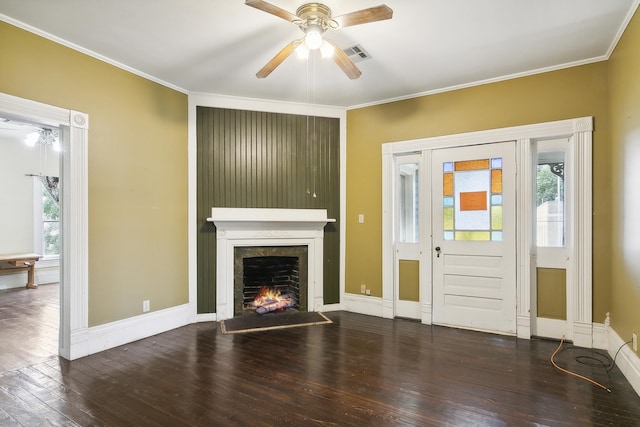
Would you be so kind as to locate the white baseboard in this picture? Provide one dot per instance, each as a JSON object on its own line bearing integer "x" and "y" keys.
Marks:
{"x": 331, "y": 307}
{"x": 523, "y": 326}
{"x": 409, "y": 309}
{"x": 589, "y": 336}
{"x": 550, "y": 328}
{"x": 102, "y": 337}
{"x": 206, "y": 317}
{"x": 362, "y": 304}
{"x": 13, "y": 280}
{"x": 600, "y": 336}
{"x": 583, "y": 334}
{"x": 19, "y": 279}
{"x": 48, "y": 275}
{"x": 427, "y": 314}
{"x": 627, "y": 360}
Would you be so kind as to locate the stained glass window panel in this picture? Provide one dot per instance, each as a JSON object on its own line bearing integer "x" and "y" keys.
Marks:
{"x": 447, "y": 218}
{"x": 473, "y": 235}
{"x": 472, "y": 165}
{"x": 496, "y": 217}
{"x": 472, "y": 200}
{"x": 496, "y": 180}
{"x": 447, "y": 186}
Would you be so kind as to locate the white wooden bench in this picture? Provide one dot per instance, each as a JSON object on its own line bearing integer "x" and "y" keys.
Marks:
{"x": 12, "y": 263}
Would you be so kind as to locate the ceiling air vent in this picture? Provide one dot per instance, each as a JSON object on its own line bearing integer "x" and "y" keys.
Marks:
{"x": 357, "y": 53}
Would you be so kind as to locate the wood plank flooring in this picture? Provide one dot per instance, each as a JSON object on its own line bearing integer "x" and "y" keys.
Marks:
{"x": 358, "y": 371}
{"x": 28, "y": 325}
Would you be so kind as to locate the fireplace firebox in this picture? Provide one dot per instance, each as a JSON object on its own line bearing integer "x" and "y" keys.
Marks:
{"x": 279, "y": 270}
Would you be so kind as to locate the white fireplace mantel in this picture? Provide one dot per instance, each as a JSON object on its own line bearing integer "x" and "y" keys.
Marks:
{"x": 267, "y": 227}
{"x": 257, "y": 220}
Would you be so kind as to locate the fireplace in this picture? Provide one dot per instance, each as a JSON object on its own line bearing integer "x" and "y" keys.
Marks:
{"x": 280, "y": 230}
{"x": 280, "y": 270}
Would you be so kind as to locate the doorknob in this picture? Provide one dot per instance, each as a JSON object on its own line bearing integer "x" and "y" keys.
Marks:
{"x": 438, "y": 251}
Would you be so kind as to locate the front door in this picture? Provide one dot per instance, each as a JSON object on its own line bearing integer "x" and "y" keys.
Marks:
{"x": 474, "y": 241}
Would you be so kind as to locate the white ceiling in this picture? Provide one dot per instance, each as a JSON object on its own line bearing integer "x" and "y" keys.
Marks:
{"x": 217, "y": 46}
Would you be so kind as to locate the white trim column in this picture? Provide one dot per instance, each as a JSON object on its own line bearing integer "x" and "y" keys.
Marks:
{"x": 387, "y": 232}
{"x": 525, "y": 224}
{"x": 583, "y": 222}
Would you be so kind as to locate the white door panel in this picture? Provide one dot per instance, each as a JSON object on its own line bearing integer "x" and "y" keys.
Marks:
{"x": 473, "y": 212}
{"x": 475, "y": 287}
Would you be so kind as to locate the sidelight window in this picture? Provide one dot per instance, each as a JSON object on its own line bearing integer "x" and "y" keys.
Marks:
{"x": 550, "y": 199}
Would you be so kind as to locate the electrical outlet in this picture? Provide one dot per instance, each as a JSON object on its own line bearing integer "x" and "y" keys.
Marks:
{"x": 634, "y": 339}
{"x": 367, "y": 292}
{"x": 363, "y": 288}
{"x": 145, "y": 306}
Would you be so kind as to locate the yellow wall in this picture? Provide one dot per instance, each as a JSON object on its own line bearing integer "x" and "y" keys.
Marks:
{"x": 624, "y": 104}
{"x": 137, "y": 170}
{"x": 570, "y": 93}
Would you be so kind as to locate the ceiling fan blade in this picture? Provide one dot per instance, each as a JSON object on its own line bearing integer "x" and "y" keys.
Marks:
{"x": 272, "y": 9}
{"x": 278, "y": 59}
{"x": 344, "y": 62}
{"x": 372, "y": 14}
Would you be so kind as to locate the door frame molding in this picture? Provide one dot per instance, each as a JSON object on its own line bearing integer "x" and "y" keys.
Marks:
{"x": 580, "y": 284}
{"x": 74, "y": 203}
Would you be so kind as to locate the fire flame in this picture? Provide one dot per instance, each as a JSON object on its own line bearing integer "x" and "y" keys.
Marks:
{"x": 270, "y": 299}
{"x": 267, "y": 295}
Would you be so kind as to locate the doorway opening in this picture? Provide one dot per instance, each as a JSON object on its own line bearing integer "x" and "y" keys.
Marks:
{"x": 73, "y": 288}
{"x": 30, "y": 227}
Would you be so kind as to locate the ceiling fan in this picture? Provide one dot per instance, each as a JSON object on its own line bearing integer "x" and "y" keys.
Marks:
{"x": 314, "y": 19}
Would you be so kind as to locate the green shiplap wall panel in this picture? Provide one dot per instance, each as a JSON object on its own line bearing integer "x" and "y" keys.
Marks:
{"x": 251, "y": 159}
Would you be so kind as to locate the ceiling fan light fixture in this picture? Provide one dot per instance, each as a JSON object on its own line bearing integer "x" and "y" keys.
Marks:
{"x": 313, "y": 36}
{"x": 302, "y": 51}
{"x": 326, "y": 49}
{"x": 314, "y": 19}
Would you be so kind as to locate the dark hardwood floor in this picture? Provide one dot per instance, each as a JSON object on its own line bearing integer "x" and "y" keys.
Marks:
{"x": 28, "y": 325}
{"x": 358, "y": 371}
